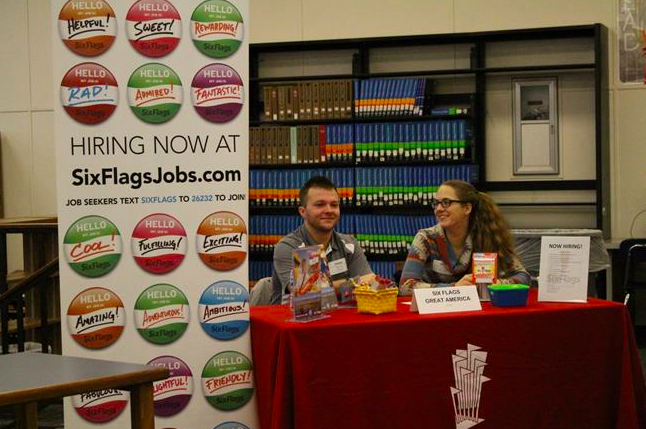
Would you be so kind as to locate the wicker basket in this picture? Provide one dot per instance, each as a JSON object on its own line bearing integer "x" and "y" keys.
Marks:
{"x": 376, "y": 302}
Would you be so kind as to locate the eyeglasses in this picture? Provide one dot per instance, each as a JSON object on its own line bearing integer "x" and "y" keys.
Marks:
{"x": 444, "y": 202}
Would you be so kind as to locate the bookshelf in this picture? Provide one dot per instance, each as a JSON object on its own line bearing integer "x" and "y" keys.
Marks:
{"x": 388, "y": 161}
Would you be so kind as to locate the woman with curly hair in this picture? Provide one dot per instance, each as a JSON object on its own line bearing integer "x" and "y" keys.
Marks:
{"x": 468, "y": 221}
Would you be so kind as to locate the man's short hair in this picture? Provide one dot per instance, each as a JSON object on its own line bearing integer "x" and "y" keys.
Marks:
{"x": 315, "y": 182}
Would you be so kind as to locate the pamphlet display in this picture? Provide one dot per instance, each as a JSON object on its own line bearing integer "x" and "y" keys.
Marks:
{"x": 310, "y": 276}
{"x": 563, "y": 275}
{"x": 346, "y": 292}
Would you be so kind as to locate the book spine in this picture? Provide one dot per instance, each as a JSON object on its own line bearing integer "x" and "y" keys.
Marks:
{"x": 296, "y": 102}
{"x": 322, "y": 138}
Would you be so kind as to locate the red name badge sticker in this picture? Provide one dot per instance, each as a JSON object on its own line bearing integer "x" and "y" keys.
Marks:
{"x": 217, "y": 93}
{"x": 154, "y": 27}
{"x": 89, "y": 93}
{"x": 100, "y": 406}
{"x": 95, "y": 318}
{"x": 159, "y": 243}
{"x": 222, "y": 241}
{"x": 87, "y": 28}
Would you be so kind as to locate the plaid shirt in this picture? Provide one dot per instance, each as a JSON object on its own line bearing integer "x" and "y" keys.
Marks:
{"x": 429, "y": 262}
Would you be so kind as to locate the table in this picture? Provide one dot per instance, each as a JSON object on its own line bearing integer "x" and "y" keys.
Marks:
{"x": 548, "y": 365}
{"x": 30, "y": 377}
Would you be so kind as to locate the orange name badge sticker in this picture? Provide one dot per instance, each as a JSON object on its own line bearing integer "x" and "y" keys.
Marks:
{"x": 87, "y": 27}
{"x": 222, "y": 241}
{"x": 95, "y": 318}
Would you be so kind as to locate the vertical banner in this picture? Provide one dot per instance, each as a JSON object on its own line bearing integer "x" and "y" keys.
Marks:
{"x": 151, "y": 125}
{"x": 631, "y": 38}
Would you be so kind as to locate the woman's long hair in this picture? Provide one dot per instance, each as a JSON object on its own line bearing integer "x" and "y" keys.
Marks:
{"x": 487, "y": 226}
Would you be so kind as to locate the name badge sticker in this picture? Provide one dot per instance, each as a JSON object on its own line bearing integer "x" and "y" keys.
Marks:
{"x": 87, "y": 28}
{"x": 158, "y": 243}
{"x": 217, "y": 93}
{"x": 222, "y": 241}
{"x": 154, "y": 27}
{"x": 445, "y": 300}
{"x": 337, "y": 267}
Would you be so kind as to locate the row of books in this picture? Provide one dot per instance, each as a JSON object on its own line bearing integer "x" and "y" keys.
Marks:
{"x": 414, "y": 141}
{"x": 401, "y": 186}
{"x": 281, "y": 188}
{"x": 375, "y": 142}
{"x": 266, "y": 231}
{"x": 390, "y": 97}
{"x": 377, "y": 234}
{"x": 262, "y": 269}
{"x": 316, "y": 99}
{"x": 304, "y": 144}
{"x": 365, "y": 186}
{"x": 387, "y": 234}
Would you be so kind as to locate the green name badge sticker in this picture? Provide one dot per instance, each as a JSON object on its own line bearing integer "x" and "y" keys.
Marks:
{"x": 92, "y": 246}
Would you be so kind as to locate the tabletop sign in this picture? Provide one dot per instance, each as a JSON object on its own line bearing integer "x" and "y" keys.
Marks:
{"x": 563, "y": 270}
{"x": 445, "y": 300}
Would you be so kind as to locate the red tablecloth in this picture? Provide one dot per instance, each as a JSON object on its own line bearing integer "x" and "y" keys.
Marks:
{"x": 549, "y": 366}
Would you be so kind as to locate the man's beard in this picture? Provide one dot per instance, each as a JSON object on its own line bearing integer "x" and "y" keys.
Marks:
{"x": 321, "y": 227}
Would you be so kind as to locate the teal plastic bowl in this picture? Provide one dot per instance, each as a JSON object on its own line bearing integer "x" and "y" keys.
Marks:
{"x": 509, "y": 295}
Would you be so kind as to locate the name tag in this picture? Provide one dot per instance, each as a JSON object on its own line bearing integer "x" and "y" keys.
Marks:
{"x": 445, "y": 300}
{"x": 337, "y": 267}
{"x": 440, "y": 268}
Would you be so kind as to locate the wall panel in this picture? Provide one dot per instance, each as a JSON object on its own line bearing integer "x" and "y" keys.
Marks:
{"x": 40, "y": 55}
{"x": 44, "y": 188}
{"x": 341, "y": 19}
{"x": 14, "y": 56}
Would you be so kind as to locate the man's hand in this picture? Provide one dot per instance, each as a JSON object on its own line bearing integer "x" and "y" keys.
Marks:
{"x": 367, "y": 278}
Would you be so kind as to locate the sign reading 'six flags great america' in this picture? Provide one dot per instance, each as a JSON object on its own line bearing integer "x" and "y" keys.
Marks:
{"x": 151, "y": 132}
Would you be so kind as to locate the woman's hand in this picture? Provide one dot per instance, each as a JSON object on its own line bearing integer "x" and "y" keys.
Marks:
{"x": 465, "y": 281}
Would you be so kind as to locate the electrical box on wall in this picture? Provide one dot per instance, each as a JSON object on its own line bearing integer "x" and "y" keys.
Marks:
{"x": 536, "y": 145}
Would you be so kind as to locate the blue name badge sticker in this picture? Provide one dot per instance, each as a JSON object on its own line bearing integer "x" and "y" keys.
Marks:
{"x": 224, "y": 310}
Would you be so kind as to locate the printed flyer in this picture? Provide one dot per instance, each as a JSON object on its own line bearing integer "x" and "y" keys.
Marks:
{"x": 151, "y": 133}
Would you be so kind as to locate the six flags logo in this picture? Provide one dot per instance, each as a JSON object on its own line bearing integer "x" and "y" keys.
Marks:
{"x": 468, "y": 366}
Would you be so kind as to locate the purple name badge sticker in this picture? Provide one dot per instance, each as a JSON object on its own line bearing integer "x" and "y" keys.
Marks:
{"x": 172, "y": 395}
{"x": 217, "y": 93}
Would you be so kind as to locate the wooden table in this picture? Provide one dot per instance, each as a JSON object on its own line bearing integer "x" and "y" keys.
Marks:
{"x": 30, "y": 377}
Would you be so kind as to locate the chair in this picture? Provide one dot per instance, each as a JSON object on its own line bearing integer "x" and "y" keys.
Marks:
{"x": 634, "y": 250}
{"x": 261, "y": 292}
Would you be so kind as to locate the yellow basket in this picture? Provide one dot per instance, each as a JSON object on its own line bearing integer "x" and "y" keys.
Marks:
{"x": 376, "y": 302}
